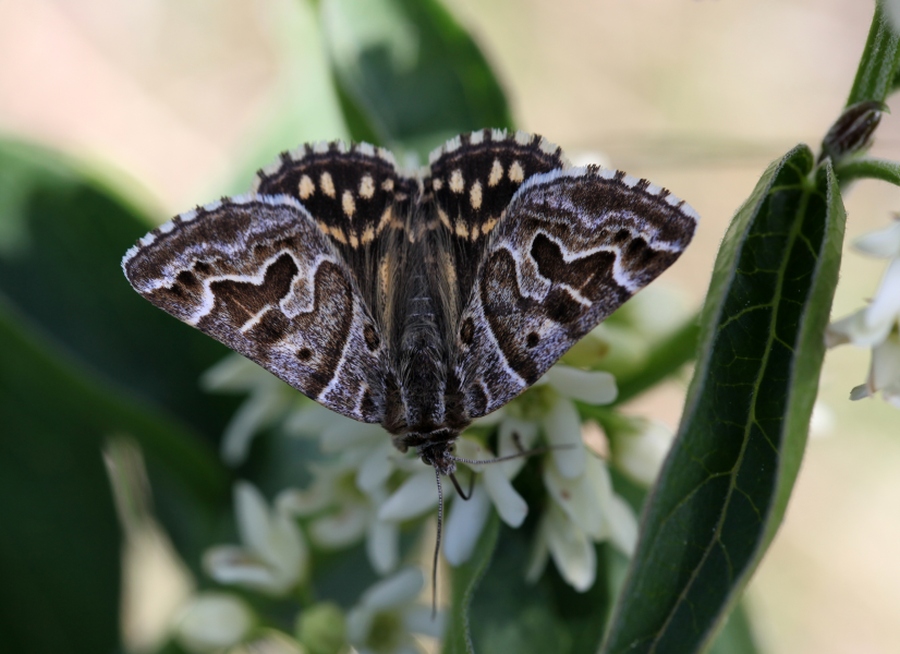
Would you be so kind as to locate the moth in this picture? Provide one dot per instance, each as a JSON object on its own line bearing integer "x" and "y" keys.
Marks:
{"x": 418, "y": 300}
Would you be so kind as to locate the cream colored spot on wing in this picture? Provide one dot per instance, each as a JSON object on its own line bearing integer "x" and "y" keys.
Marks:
{"x": 475, "y": 195}
{"x": 445, "y": 219}
{"x": 516, "y": 172}
{"x": 366, "y": 187}
{"x": 307, "y": 187}
{"x": 457, "y": 183}
{"x": 354, "y": 241}
{"x": 461, "y": 230}
{"x": 338, "y": 235}
{"x": 348, "y": 204}
{"x": 488, "y": 225}
{"x": 385, "y": 220}
{"x": 473, "y": 235}
{"x": 368, "y": 235}
{"x": 327, "y": 184}
{"x": 496, "y": 173}
{"x": 388, "y": 184}
{"x": 437, "y": 183}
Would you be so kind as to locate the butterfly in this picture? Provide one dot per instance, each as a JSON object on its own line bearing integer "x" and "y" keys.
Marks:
{"x": 423, "y": 300}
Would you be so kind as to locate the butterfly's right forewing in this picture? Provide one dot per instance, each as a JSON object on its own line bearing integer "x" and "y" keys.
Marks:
{"x": 573, "y": 245}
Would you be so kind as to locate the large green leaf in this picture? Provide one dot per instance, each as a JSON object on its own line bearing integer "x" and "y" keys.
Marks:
{"x": 724, "y": 488}
{"x": 60, "y": 540}
{"x": 62, "y": 235}
{"x": 496, "y": 610}
{"x": 408, "y": 75}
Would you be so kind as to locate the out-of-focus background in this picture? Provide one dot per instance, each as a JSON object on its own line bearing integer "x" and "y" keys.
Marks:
{"x": 183, "y": 99}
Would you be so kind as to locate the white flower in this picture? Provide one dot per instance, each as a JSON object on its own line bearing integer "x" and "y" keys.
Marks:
{"x": 639, "y": 447}
{"x": 212, "y": 621}
{"x": 349, "y": 510}
{"x": 387, "y": 616}
{"x": 878, "y": 325}
{"x": 273, "y": 558}
{"x": 269, "y": 399}
{"x": 585, "y": 511}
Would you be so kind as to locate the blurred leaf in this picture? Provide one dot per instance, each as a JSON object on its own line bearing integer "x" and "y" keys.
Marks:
{"x": 724, "y": 488}
{"x": 509, "y": 614}
{"x": 60, "y": 540}
{"x": 464, "y": 582}
{"x": 409, "y": 75}
{"x": 736, "y": 636}
{"x": 62, "y": 236}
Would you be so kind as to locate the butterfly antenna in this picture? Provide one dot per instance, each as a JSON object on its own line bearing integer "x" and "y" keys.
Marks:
{"x": 437, "y": 544}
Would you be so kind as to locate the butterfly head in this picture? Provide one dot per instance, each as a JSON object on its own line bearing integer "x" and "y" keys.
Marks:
{"x": 437, "y": 455}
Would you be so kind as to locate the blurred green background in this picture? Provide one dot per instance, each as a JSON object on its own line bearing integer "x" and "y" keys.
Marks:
{"x": 176, "y": 102}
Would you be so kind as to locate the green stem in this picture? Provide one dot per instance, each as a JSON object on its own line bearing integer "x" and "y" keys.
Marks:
{"x": 878, "y": 67}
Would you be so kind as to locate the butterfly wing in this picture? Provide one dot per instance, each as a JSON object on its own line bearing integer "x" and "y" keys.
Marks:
{"x": 471, "y": 180}
{"x": 356, "y": 195}
{"x": 571, "y": 247}
{"x": 258, "y": 274}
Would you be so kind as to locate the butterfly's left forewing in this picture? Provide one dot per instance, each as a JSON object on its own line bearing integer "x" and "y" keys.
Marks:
{"x": 257, "y": 274}
{"x": 571, "y": 247}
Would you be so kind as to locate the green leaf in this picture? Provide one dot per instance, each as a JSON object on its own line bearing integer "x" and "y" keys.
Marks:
{"x": 724, "y": 488}
{"x": 464, "y": 582}
{"x": 409, "y": 75}
{"x": 62, "y": 236}
{"x": 736, "y": 636}
{"x": 60, "y": 540}
{"x": 509, "y": 614}
{"x": 888, "y": 171}
{"x": 879, "y": 64}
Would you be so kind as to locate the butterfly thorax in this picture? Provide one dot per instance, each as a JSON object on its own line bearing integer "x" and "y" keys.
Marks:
{"x": 421, "y": 319}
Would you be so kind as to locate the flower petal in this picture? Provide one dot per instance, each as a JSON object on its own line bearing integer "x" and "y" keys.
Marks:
{"x": 464, "y": 524}
{"x": 256, "y": 412}
{"x": 885, "y": 306}
{"x": 572, "y": 551}
{"x": 397, "y": 590}
{"x": 252, "y": 517}
{"x": 854, "y": 329}
{"x": 510, "y": 505}
{"x": 562, "y": 426}
{"x": 884, "y": 243}
{"x": 639, "y": 452}
{"x": 416, "y": 496}
{"x": 623, "y": 525}
{"x": 583, "y": 499}
{"x": 342, "y": 528}
{"x": 590, "y": 387}
{"x": 885, "y": 369}
{"x": 213, "y": 621}
{"x": 419, "y": 620}
{"x": 383, "y": 545}
{"x": 229, "y": 564}
{"x": 511, "y": 430}
{"x": 376, "y": 468}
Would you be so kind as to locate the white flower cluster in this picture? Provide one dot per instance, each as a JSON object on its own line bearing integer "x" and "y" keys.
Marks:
{"x": 877, "y": 326}
{"x": 366, "y": 490}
